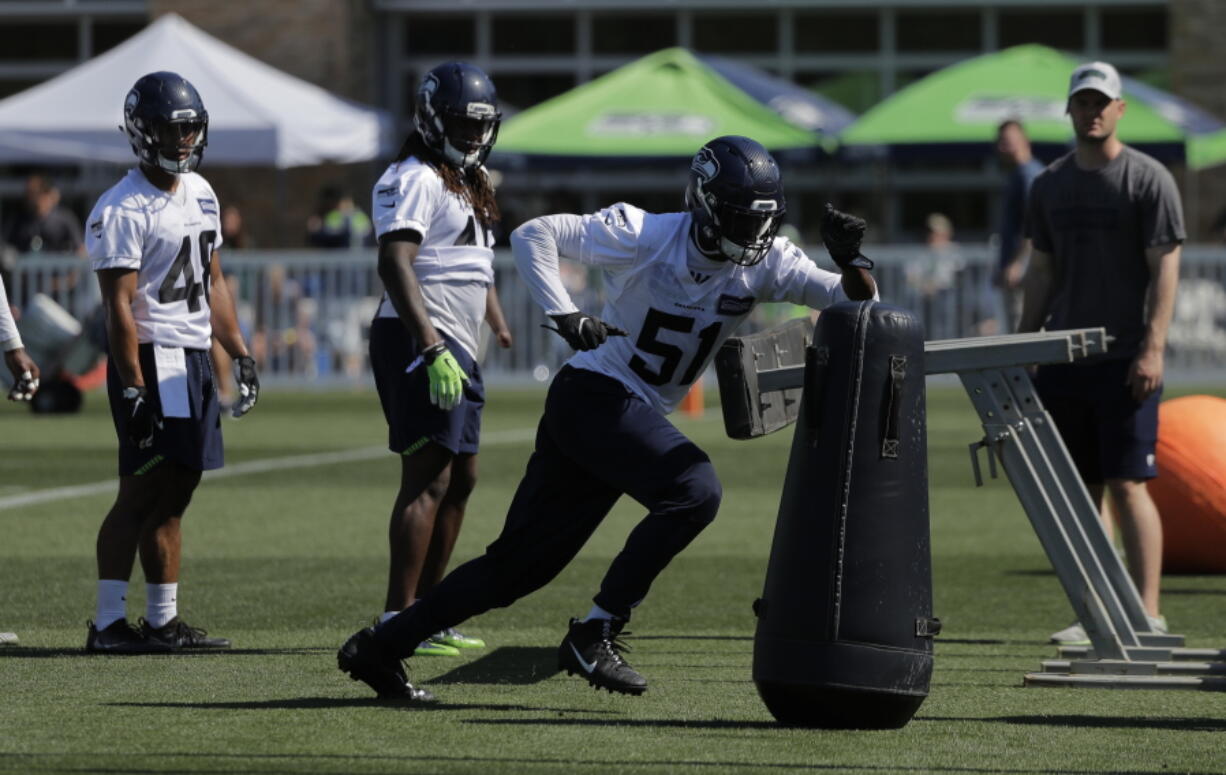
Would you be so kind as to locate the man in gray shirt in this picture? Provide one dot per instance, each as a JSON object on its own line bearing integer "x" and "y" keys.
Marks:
{"x": 1107, "y": 224}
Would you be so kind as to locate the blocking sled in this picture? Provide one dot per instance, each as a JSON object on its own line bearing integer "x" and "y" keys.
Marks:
{"x": 845, "y": 626}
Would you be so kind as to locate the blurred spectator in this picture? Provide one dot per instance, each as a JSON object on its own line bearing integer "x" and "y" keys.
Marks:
{"x": 932, "y": 277}
{"x": 233, "y": 232}
{"x": 1013, "y": 146}
{"x": 42, "y": 225}
{"x": 339, "y": 223}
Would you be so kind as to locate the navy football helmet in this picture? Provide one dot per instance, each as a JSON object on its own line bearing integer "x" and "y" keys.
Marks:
{"x": 735, "y": 195}
{"x": 457, "y": 113}
{"x": 166, "y": 123}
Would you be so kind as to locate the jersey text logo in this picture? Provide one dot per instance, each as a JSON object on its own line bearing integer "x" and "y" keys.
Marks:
{"x": 207, "y": 206}
{"x": 734, "y": 305}
{"x": 699, "y": 277}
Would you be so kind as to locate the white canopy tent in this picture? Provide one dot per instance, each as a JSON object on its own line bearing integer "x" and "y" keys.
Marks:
{"x": 258, "y": 115}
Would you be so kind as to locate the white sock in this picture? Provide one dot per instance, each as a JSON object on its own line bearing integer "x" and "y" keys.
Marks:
{"x": 597, "y": 613}
{"x": 162, "y": 604}
{"x": 383, "y": 617}
{"x": 112, "y": 598}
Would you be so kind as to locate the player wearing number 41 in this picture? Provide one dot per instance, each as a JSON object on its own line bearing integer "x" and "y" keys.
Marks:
{"x": 153, "y": 240}
{"x": 678, "y": 285}
{"x": 434, "y": 208}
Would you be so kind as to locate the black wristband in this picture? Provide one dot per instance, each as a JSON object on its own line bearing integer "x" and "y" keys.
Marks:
{"x": 431, "y": 353}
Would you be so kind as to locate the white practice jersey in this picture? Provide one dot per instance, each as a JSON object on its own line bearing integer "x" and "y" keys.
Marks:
{"x": 169, "y": 239}
{"x": 455, "y": 263}
{"x": 677, "y": 306}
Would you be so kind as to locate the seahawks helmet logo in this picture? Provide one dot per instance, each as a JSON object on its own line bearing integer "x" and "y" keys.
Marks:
{"x": 429, "y": 86}
{"x": 705, "y": 166}
{"x": 1092, "y": 73}
{"x": 132, "y": 99}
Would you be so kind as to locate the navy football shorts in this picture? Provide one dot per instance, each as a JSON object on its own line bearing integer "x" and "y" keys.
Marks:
{"x": 193, "y": 442}
{"x": 1108, "y": 433}
{"x": 412, "y": 420}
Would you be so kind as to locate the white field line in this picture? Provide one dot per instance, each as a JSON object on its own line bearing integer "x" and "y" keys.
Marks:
{"x": 493, "y": 438}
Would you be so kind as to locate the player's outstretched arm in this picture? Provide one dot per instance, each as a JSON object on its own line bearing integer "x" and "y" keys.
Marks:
{"x": 842, "y": 234}
{"x": 224, "y": 319}
{"x": 25, "y": 371}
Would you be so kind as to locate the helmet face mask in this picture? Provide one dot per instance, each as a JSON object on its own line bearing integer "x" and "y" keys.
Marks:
{"x": 735, "y": 196}
{"x": 457, "y": 114}
{"x": 166, "y": 123}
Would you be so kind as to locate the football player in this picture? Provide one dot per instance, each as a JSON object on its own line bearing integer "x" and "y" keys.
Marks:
{"x": 153, "y": 239}
{"x": 678, "y": 285}
{"x": 434, "y": 212}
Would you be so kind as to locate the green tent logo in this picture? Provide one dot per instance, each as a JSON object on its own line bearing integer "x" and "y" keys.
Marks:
{"x": 626, "y": 124}
{"x": 993, "y": 109}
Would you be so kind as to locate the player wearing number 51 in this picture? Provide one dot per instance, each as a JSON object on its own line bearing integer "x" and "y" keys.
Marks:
{"x": 678, "y": 284}
{"x": 153, "y": 239}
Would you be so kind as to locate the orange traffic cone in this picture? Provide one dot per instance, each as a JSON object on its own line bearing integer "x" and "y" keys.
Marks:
{"x": 692, "y": 405}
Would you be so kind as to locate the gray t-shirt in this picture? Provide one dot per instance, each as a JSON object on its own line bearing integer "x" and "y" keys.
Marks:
{"x": 1097, "y": 225}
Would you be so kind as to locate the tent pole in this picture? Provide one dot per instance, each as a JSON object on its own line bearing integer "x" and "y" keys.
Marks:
{"x": 282, "y": 198}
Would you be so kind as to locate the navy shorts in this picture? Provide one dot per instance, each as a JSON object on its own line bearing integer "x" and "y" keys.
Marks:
{"x": 1108, "y": 433}
{"x": 411, "y": 419}
{"x": 193, "y": 442}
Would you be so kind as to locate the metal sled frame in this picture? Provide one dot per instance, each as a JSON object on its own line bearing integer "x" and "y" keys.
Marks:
{"x": 1124, "y": 653}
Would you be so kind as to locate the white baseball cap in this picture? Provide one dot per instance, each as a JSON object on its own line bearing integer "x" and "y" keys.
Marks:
{"x": 1098, "y": 76}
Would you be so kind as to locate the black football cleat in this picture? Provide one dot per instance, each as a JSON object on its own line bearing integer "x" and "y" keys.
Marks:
{"x": 178, "y": 634}
{"x": 592, "y": 650}
{"x": 119, "y": 637}
{"x": 364, "y": 661}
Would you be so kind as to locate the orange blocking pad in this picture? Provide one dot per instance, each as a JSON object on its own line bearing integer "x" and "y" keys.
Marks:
{"x": 1190, "y": 490}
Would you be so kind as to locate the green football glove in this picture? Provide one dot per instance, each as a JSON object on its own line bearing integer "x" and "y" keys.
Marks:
{"x": 446, "y": 377}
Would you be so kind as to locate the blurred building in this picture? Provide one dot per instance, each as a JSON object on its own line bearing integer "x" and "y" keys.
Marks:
{"x": 375, "y": 51}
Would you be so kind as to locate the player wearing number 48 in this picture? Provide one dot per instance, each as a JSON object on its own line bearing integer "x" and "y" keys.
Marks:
{"x": 153, "y": 239}
{"x": 678, "y": 284}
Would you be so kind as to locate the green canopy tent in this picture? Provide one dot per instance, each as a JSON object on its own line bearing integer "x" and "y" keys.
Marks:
{"x": 956, "y": 110}
{"x": 663, "y": 105}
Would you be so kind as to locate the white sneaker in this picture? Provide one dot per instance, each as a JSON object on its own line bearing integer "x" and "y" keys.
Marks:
{"x": 8, "y": 639}
{"x": 1073, "y": 635}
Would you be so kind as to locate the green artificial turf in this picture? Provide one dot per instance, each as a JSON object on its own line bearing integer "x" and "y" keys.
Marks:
{"x": 288, "y": 562}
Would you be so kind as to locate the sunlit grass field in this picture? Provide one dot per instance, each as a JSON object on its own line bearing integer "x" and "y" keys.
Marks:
{"x": 288, "y": 562}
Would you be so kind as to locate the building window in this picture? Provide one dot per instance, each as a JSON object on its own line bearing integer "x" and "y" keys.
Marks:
{"x": 425, "y": 34}
{"x": 9, "y": 86}
{"x": 523, "y": 90}
{"x": 1059, "y": 29}
{"x": 633, "y": 34}
{"x": 740, "y": 34}
{"x": 107, "y": 35}
{"x": 1133, "y": 29}
{"x": 822, "y": 33}
{"x": 524, "y": 34}
{"x": 38, "y": 42}
{"x": 946, "y": 31}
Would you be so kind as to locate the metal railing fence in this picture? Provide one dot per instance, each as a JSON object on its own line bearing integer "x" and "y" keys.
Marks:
{"x": 307, "y": 313}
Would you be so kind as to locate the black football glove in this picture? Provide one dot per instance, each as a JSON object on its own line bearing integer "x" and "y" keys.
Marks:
{"x": 583, "y": 332}
{"x": 144, "y": 419}
{"x": 842, "y": 233}
{"x": 248, "y": 385}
